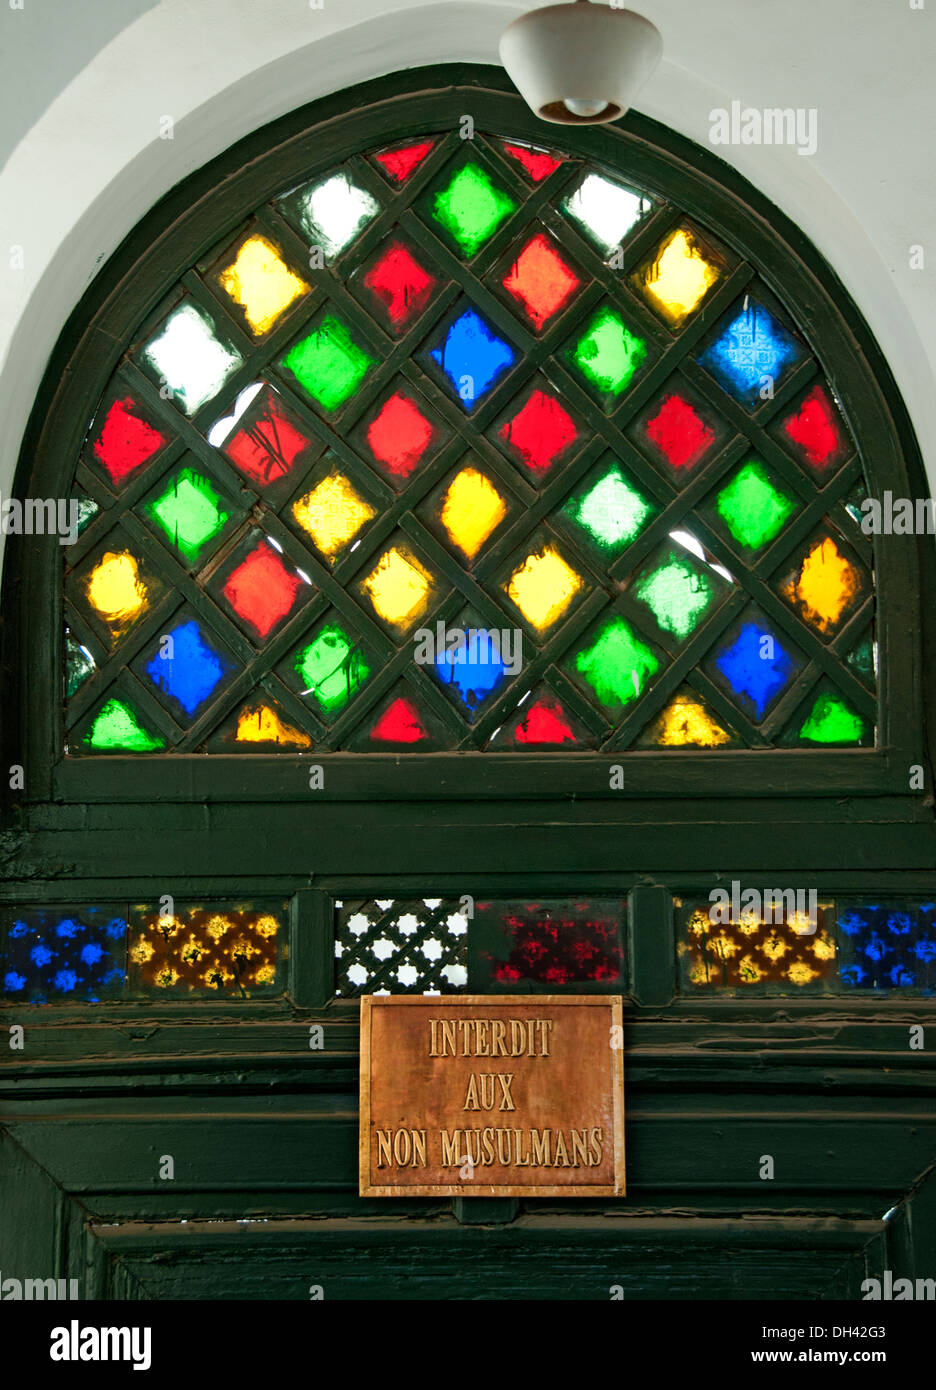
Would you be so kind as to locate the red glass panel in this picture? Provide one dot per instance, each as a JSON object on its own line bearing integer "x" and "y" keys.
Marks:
{"x": 266, "y": 448}
{"x": 261, "y": 590}
{"x": 400, "y": 283}
{"x": 399, "y": 435}
{"x": 546, "y": 724}
{"x": 816, "y": 429}
{"x": 399, "y": 723}
{"x": 680, "y": 433}
{"x": 552, "y": 943}
{"x": 540, "y": 432}
{"x": 398, "y": 164}
{"x": 536, "y": 164}
{"x": 126, "y": 441}
{"x": 540, "y": 280}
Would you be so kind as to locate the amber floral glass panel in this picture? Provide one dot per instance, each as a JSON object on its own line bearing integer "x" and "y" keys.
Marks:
{"x": 202, "y": 951}
{"x": 763, "y": 942}
{"x": 495, "y": 393}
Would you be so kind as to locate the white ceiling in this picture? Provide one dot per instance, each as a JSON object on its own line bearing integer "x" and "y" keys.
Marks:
{"x": 91, "y": 164}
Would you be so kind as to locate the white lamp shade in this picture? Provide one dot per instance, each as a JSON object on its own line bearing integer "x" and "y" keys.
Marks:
{"x": 595, "y": 57}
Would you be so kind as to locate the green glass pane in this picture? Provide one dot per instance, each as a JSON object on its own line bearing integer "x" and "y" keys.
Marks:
{"x": 471, "y": 208}
{"x": 831, "y": 721}
{"x": 752, "y": 508}
{"x": 79, "y": 664}
{"x": 861, "y": 658}
{"x": 617, "y": 665}
{"x": 87, "y": 509}
{"x": 678, "y": 594}
{"x": 612, "y": 511}
{"x": 116, "y": 727}
{"x": 608, "y": 353}
{"x": 189, "y": 513}
{"x": 332, "y": 668}
{"x": 329, "y": 364}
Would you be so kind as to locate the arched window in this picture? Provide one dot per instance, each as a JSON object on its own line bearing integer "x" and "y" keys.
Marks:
{"x": 453, "y": 443}
{"x": 403, "y": 368}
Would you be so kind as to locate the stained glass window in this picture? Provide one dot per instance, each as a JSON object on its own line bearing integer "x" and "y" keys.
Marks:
{"x": 441, "y": 946}
{"x": 475, "y": 446}
{"x": 109, "y": 953}
{"x": 782, "y": 942}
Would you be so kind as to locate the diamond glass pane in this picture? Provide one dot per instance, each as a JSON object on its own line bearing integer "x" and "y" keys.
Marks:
{"x": 334, "y": 212}
{"x": 605, "y": 211}
{"x": 470, "y": 208}
{"x": 261, "y": 284}
{"x": 189, "y": 360}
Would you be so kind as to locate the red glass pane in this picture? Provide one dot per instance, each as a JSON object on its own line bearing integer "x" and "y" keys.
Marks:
{"x": 399, "y": 723}
{"x": 400, "y": 284}
{"x": 553, "y": 943}
{"x": 126, "y": 441}
{"x": 536, "y": 164}
{"x": 816, "y": 428}
{"x": 540, "y": 280}
{"x": 266, "y": 448}
{"x": 540, "y": 432}
{"x": 399, "y": 435}
{"x": 261, "y": 590}
{"x": 398, "y": 164}
{"x": 680, "y": 434}
{"x": 545, "y": 723}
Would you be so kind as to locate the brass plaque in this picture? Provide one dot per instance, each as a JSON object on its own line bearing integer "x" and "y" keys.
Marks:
{"x": 506, "y": 1095}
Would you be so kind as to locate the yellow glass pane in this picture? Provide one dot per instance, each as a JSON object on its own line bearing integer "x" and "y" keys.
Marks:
{"x": 543, "y": 587}
{"x": 679, "y": 278}
{"x": 825, "y": 585}
{"x": 399, "y": 588}
{"x": 261, "y": 724}
{"x": 332, "y": 513}
{"x": 115, "y": 589}
{"x": 471, "y": 509}
{"x": 260, "y": 281}
{"x": 687, "y": 723}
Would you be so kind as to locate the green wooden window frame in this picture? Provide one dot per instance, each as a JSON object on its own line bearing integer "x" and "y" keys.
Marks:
{"x": 195, "y": 220}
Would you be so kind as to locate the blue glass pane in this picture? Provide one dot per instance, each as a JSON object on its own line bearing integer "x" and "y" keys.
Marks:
{"x": 473, "y": 671}
{"x": 49, "y": 957}
{"x": 190, "y": 670}
{"x": 756, "y": 668}
{"x": 472, "y": 357}
{"x": 887, "y": 947}
{"x": 753, "y": 346}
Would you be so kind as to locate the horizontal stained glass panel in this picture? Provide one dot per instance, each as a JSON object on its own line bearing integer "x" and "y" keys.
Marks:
{"x": 745, "y": 941}
{"x": 552, "y": 944}
{"x": 438, "y": 945}
{"x": 109, "y": 953}
{"x": 497, "y": 393}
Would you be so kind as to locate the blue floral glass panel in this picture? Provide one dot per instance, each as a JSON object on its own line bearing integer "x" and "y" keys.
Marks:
{"x": 888, "y": 945}
{"x": 54, "y": 957}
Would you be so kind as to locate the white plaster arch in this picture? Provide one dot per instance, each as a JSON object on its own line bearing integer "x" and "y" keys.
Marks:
{"x": 94, "y": 164}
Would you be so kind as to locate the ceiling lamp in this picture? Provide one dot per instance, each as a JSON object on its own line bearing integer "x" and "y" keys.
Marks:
{"x": 580, "y": 64}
